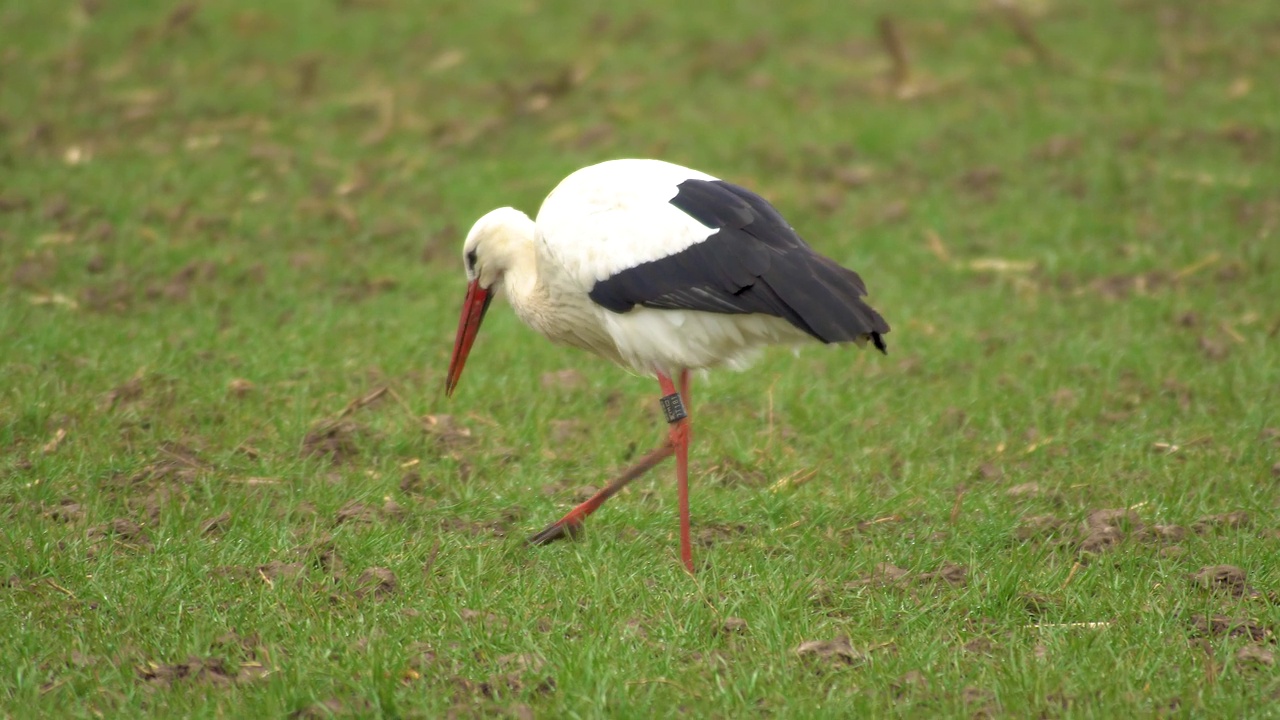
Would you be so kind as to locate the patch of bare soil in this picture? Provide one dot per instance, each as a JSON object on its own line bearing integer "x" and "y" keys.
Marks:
{"x": 240, "y": 387}
{"x": 1119, "y": 287}
{"x": 449, "y": 435}
{"x": 124, "y": 531}
{"x": 215, "y": 525}
{"x": 1104, "y": 529}
{"x": 422, "y": 659}
{"x": 826, "y": 654}
{"x": 517, "y": 673}
{"x": 732, "y": 473}
{"x": 178, "y": 287}
{"x": 323, "y": 554}
{"x": 568, "y": 431}
{"x": 1223, "y": 578}
{"x": 981, "y": 182}
{"x": 498, "y": 527}
{"x": 203, "y": 671}
{"x": 393, "y": 511}
{"x": 885, "y": 574}
{"x": 335, "y": 441}
{"x": 909, "y": 683}
{"x": 356, "y": 513}
{"x": 1217, "y": 626}
{"x": 979, "y": 646}
{"x": 982, "y": 702}
{"x": 489, "y": 619}
{"x": 1256, "y": 656}
{"x": 1042, "y": 527}
{"x": 377, "y": 583}
{"x": 1056, "y": 148}
{"x": 1166, "y": 533}
{"x": 277, "y": 570}
{"x": 1037, "y": 604}
{"x": 173, "y": 463}
{"x": 715, "y": 533}
{"x": 413, "y": 484}
{"x": 1225, "y": 521}
{"x": 1024, "y": 490}
{"x": 66, "y": 511}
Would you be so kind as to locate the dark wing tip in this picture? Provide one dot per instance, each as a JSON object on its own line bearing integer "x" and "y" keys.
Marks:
{"x": 879, "y": 343}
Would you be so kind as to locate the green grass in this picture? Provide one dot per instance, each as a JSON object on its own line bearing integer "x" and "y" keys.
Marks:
{"x": 222, "y": 224}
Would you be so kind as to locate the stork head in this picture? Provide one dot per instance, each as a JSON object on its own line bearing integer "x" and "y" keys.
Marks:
{"x": 496, "y": 242}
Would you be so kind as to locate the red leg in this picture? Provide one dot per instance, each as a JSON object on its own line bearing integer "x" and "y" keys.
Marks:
{"x": 680, "y": 435}
{"x": 677, "y": 444}
{"x": 686, "y": 549}
{"x": 571, "y": 523}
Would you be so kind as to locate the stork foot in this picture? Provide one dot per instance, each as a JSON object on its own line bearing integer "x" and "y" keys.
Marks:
{"x": 558, "y": 530}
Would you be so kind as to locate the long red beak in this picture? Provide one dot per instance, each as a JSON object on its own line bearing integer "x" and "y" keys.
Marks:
{"x": 474, "y": 307}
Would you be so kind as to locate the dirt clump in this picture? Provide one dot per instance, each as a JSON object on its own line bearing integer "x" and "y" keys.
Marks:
{"x": 488, "y": 619}
{"x": 909, "y": 682}
{"x": 979, "y": 646}
{"x": 1223, "y": 578}
{"x": 377, "y": 582}
{"x": 731, "y": 473}
{"x": 1217, "y": 626}
{"x": 885, "y": 574}
{"x": 1103, "y": 530}
{"x": 412, "y": 483}
{"x": 216, "y": 525}
{"x": 393, "y": 511}
{"x": 66, "y": 511}
{"x": 1037, "y": 604}
{"x": 517, "y": 671}
{"x": 715, "y": 533}
{"x": 828, "y": 653}
{"x": 448, "y": 434}
{"x": 499, "y": 527}
{"x": 277, "y": 570}
{"x": 1167, "y": 533}
{"x": 1041, "y": 527}
{"x": 323, "y": 554}
{"x": 334, "y": 441}
{"x": 948, "y": 574}
{"x": 1256, "y": 655}
{"x": 122, "y": 530}
{"x": 356, "y": 513}
{"x": 1225, "y": 521}
{"x": 201, "y": 670}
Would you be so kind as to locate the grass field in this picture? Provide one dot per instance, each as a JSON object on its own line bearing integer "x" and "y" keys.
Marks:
{"x": 230, "y": 483}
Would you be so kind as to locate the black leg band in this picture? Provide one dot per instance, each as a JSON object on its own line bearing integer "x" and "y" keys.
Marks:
{"x": 673, "y": 407}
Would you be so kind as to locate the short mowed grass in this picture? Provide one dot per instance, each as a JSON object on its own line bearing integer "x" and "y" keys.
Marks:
{"x": 230, "y": 483}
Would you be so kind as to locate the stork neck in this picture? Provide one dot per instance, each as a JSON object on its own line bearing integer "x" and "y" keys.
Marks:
{"x": 520, "y": 280}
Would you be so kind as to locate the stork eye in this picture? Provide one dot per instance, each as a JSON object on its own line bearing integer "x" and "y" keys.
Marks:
{"x": 471, "y": 260}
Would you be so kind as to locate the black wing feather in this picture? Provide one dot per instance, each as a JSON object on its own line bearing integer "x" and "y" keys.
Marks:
{"x": 754, "y": 263}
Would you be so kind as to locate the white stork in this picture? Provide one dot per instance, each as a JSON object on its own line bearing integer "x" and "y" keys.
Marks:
{"x": 662, "y": 270}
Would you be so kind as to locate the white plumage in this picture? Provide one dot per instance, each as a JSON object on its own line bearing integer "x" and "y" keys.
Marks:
{"x": 598, "y": 221}
{"x": 662, "y": 270}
